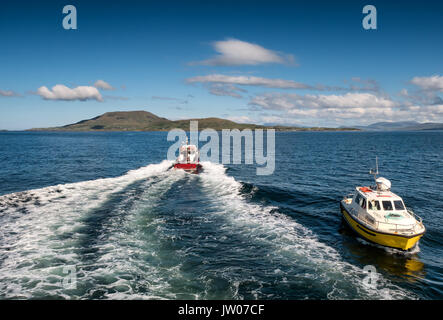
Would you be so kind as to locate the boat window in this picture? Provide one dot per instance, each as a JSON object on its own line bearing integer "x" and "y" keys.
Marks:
{"x": 399, "y": 205}
{"x": 387, "y": 205}
{"x": 374, "y": 205}
{"x": 357, "y": 199}
{"x": 363, "y": 204}
{"x": 360, "y": 200}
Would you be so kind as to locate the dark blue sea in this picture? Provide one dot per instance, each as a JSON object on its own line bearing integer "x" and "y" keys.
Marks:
{"x": 100, "y": 216}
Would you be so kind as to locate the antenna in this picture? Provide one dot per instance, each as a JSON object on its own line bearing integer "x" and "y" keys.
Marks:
{"x": 375, "y": 173}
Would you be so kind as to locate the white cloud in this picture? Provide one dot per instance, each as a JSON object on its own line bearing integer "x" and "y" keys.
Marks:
{"x": 103, "y": 85}
{"x": 8, "y": 93}
{"x": 62, "y": 92}
{"x": 433, "y": 83}
{"x": 236, "y": 52}
{"x": 349, "y": 108}
{"x": 278, "y": 101}
{"x": 241, "y": 119}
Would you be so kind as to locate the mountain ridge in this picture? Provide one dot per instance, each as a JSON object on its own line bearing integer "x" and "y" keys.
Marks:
{"x": 401, "y": 126}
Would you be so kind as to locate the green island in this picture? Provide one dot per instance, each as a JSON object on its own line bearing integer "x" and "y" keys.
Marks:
{"x": 146, "y": 121}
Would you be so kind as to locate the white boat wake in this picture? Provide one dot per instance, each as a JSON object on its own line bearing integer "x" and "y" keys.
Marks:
{"x": 292, "y": 244}
{"x": 117, "y": 235}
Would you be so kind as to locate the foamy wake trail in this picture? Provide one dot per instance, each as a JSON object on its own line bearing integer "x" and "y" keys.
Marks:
{"x": 32, "y": 256}
{"x": 129, "y": 261}
{"x": 111, "y": 231}
{"x": 291, "y": 242}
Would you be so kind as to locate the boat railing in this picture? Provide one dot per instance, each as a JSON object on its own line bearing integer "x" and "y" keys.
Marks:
{"x": 415, "y": 216}
{"x": 395, "y": 227}
{"x": 399, "y": 228}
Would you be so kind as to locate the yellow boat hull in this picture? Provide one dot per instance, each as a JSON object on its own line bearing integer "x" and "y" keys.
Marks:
{"x": 385, "y": 239}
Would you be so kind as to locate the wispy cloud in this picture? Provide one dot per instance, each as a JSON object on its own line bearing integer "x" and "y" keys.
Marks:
{"x": 426, "y": 91}
{"x": 356, "y": 84}
{"x": 220, "y": 89}
{"x": 120, "y": 98}
{"x": 101, "y": 84}
{"x": 233, "y": 52}
{"x": 62, "y": 92}
{"x": 432, "y": 83}
{"x": 179, "y": 100}
{"x": 8, "y": 93}
{"x": 248, "y": 81}
{"x": 359, "y": 84}
{"x": 164, "y": 98}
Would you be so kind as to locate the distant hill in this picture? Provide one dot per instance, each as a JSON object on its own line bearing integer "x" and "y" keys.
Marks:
{"x": 401, "y": 126}
{"x": 119, "y": 121}
{"x": 426, "y": 126}
{"x": 146, "y": 121}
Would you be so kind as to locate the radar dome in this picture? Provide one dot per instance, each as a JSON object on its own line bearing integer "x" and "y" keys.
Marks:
{"x": 383, "y": 184}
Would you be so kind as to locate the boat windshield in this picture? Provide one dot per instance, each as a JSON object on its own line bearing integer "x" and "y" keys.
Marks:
{"x": 188, "y": 154}
{"x": 399, "y": 205}
{"x": 374, "y": 205}
{"x": 387, "y": 205}
{"x": 360, "y": 200}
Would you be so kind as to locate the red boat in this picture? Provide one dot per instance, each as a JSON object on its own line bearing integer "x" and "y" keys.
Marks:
{"x": 188, "y": 159}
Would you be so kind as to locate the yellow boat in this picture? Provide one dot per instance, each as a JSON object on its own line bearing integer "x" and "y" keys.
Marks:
{"x": 379, "y": 216}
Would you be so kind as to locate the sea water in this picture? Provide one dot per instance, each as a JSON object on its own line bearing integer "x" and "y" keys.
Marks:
{"x": 107, "y": 207}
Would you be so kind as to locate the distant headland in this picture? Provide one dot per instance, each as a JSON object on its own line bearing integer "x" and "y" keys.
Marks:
{"x": 146, "y": 121}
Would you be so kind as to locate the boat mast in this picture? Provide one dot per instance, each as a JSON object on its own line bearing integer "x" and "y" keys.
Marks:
{"x": 375, "y": 172}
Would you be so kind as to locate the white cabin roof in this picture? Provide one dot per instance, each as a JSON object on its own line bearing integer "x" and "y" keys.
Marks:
{"x": 188, "y": 146}
{"x": 371, "y": 194}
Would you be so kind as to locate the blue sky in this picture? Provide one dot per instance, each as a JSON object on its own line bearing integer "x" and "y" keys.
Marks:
{"x": 285, "y": 62}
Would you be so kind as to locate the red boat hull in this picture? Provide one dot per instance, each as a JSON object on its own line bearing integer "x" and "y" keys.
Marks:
{"x": 189, "y": 167}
